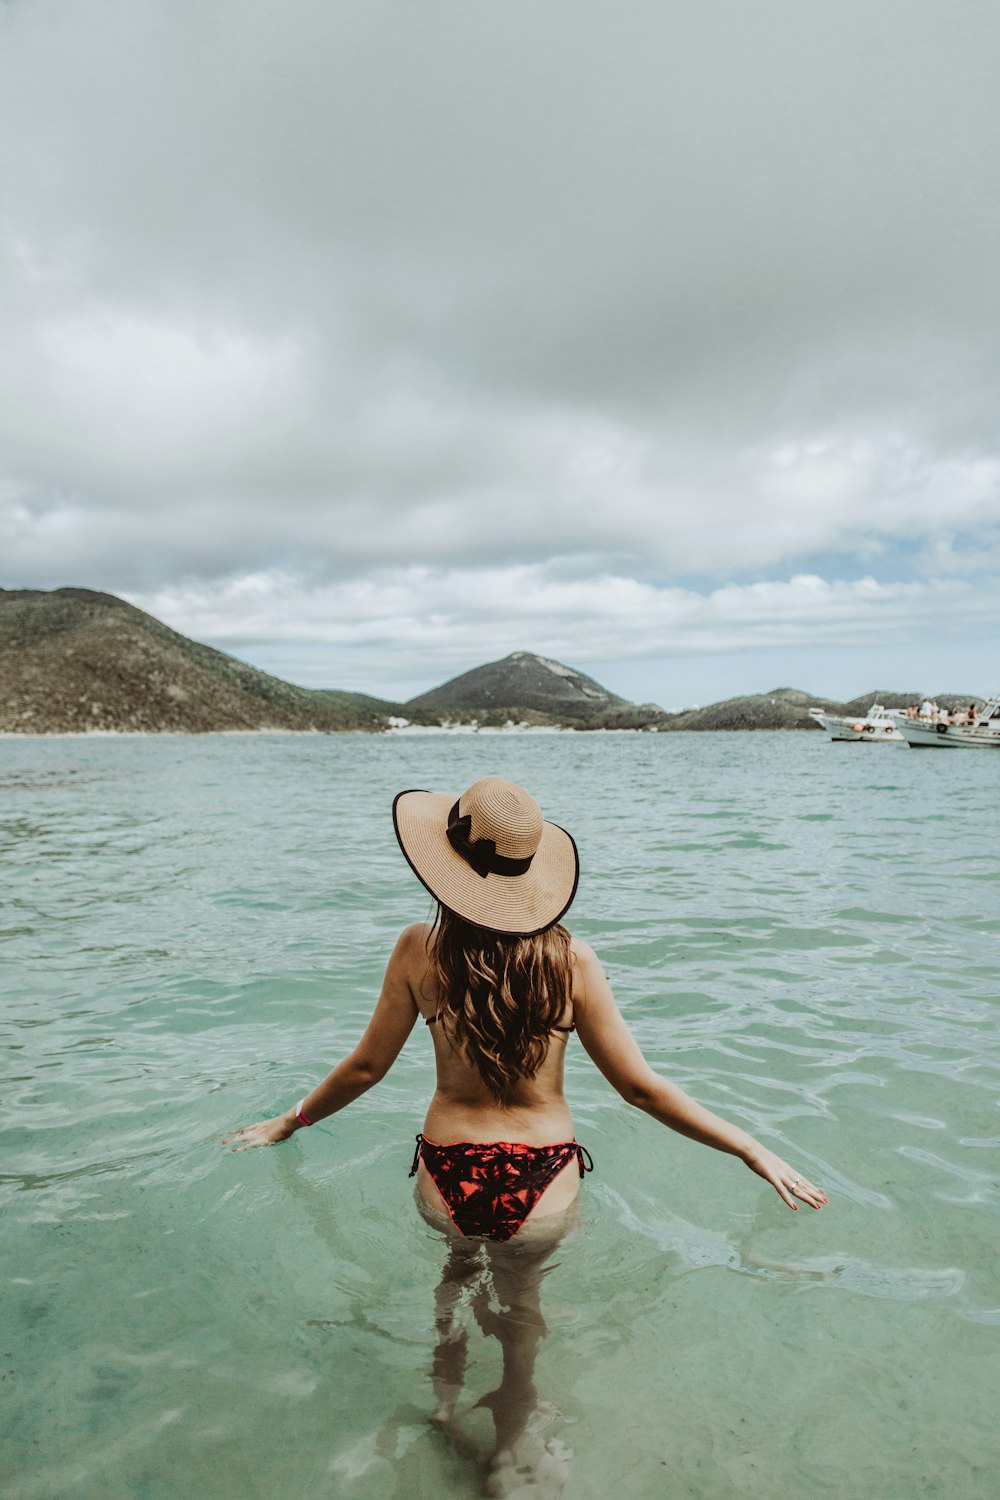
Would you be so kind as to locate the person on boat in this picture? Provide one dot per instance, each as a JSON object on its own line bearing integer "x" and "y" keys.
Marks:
{"x": 928, "y": 710}
{"x": 501, "y": 987}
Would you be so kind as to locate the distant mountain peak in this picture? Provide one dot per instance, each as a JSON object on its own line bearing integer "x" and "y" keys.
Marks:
{"x": 586, "y": 685}
{"x": 522, "y": 680}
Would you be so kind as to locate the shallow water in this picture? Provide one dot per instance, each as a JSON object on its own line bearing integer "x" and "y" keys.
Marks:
{"x": 802, "y": 935}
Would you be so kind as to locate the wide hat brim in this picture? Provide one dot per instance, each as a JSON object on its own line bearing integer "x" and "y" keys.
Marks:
{"x": 517, "y": 904}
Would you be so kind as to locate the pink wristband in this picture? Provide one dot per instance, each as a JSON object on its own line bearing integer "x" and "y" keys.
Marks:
{"x": 298, "y": 1112}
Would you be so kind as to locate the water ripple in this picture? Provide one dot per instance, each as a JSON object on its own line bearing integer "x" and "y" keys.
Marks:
{"x": 193, "y": 929}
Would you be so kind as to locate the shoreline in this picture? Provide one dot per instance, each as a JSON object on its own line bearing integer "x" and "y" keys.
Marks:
{"x": 411, "y": 732}
{"x": 392, "y": 733}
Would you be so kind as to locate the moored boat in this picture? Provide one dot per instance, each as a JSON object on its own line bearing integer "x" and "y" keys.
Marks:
{"x": 877, "y": 724}
{"x": 940, "y": 733}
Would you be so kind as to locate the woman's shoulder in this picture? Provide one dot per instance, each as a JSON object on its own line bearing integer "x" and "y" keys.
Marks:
{"x": 413, "y": 939}
{"x": 410, "y": 960}
{"x": 589, "y": 978}
{"x": 585, "y": 966}
{"x": 581, "y": 952}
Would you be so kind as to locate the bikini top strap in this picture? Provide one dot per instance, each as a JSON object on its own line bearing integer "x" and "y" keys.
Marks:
{"x": 429, "y": 1021}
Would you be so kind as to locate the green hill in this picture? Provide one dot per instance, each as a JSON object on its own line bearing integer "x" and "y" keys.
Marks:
{"x": 73, "y": 660}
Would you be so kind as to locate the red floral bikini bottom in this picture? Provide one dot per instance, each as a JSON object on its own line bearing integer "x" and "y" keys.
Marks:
{"x": 490, "y": 1188}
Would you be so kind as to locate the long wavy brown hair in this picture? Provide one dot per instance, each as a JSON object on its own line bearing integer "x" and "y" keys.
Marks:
{"x": 501, "y": 996}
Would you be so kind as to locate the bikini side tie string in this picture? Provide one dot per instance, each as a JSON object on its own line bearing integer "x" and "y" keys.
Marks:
{"x": 416, "y": 1156}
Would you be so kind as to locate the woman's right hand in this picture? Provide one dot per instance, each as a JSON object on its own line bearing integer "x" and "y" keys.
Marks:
{"x": 784, "y": 1179}
{"x": 264, "y": 1133}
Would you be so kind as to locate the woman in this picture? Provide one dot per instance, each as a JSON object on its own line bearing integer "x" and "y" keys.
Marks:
{"x": 502, "y": 986}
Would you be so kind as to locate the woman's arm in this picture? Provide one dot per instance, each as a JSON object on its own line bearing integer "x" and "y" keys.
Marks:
{"x": 391, "y": 1023}
{"x": 611, "y": 1045}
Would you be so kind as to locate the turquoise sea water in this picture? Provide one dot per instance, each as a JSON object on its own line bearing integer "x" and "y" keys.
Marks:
{"x": 802, "y": 935}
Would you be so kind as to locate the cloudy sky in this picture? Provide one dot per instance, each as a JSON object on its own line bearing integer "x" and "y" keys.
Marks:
{"x": 373, "y": 341}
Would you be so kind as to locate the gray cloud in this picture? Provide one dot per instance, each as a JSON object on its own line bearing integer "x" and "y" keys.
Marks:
{"x": 665, "y": 293}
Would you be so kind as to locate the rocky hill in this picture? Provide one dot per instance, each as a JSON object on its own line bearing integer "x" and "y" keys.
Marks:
{"x": 788, "y": 708}
{"x": 901, "y": 700}
{"x": 530, "y": 689}
{"x": 74, "y": 660}
{"x": 782, "y": 708}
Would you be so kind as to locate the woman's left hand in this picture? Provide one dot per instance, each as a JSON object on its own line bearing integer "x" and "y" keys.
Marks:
{"x": 264, "y": 1133}
{"x": 784, "y": 1179}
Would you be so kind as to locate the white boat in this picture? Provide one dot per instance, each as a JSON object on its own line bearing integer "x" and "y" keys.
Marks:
{"x": 877, "y": 724}
{"x": 938, "y": 734}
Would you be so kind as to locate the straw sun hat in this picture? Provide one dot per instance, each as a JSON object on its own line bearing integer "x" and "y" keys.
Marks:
{"x": 490, "y": 857}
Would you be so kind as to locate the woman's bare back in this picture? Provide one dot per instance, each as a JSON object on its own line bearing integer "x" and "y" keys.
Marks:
{"x": 462, "y": 1107}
